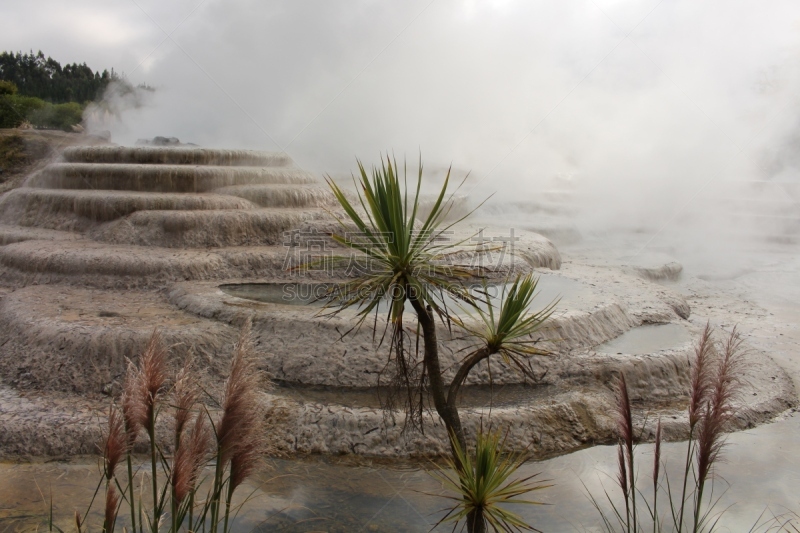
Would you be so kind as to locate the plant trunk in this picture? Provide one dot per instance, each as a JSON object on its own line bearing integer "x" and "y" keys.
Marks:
{"x": 475, "y": 522}
{"x": 463, "y": 372}
{"x": 448, "y": 413}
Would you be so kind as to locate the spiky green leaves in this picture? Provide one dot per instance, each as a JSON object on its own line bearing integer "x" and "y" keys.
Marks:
{"x": 507, "y": 328}
{"x": 483, "y": 486}
{"x": 403, "y": 258}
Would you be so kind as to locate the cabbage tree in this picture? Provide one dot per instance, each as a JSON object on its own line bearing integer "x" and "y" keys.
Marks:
{"x": 406, "y": 261}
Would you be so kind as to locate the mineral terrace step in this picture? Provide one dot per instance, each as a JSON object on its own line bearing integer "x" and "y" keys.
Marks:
{"x": 79, "y": 340}
{"x": 202, "y": 229}
{"x": 101, "y": 265}
{"x": 281, "y": 195}
{"x": 161, "y": 178}
{"x": 175, "y": 156}
{"x": 74, "y": 209}
{"x": 589, "y": 318}
{"x": 12, "y": 234}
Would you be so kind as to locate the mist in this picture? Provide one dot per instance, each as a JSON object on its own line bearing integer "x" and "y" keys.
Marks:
{"x": 643, "y": 114}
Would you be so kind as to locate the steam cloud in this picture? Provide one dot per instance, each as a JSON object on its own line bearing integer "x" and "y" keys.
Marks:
{"x": 645, "y": 110}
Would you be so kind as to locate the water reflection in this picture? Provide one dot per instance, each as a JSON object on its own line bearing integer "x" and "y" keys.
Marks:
{"x": 338, "y": 495}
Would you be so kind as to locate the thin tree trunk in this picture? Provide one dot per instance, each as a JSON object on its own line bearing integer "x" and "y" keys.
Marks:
{"x": 448, "y": 413}
{"x": 463, "y": 372}
{"x": 444, "y": 399}
{"x": 475, "y": 522}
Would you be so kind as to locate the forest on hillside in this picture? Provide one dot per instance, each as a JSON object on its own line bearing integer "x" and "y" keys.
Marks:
{"x": 44, "y": 77}
{"x": 39, "y": 91}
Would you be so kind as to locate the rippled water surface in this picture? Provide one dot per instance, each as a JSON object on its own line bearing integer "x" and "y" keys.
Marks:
{"x": 323, "y": 494}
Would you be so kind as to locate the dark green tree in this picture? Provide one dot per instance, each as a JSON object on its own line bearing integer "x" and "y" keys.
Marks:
{"x": 44, "y": 77}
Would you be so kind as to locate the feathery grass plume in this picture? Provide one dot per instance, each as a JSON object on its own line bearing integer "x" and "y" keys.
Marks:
{"x": 625, "y": 433}
{"x": 241, "y": 406}
{"x": 622, "y": 477}
{"x": 151, "y": 380}
{"x": 657, "y": 451}
{"x": 701, "y": 376}
{"x": 725, "y": 387}
{"x": 134, "y": 415}
{"x": 185, "y": 395}
{"x": 246, "y": 459}
{"x": 624, "y": 416}
{"x": 153, "y": 370}
{"x": 112, "y": 502}
{"x": 656, "y": 474}
{"x": 482, "y": 485}
{"x": 190, "y": 458}
{"x": 116, "y": 443}
{"x": 134, "y": 406}
{"x": 78, "y": 521}
{"x": 240, "y": 430}
{"x": 190, "y": 450}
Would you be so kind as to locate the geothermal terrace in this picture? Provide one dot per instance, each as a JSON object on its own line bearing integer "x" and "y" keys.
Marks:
{"x": 108, "y": 243}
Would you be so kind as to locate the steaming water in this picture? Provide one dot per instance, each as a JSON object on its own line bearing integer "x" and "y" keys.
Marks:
{"x": 549, "y": 288}
{"x": 647, "y": 339}
{"x": 324, "y": 494}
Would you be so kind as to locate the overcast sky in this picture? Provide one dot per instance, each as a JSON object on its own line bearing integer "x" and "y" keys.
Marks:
{"x": 639, "y": 101}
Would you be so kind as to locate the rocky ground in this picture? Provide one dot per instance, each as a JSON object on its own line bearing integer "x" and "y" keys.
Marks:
{"x": 37, "y": 422}
{"x": 68, "y": 329}
{"x": 23, "y": 151}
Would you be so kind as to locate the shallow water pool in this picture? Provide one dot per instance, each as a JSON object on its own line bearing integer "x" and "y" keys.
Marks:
{"x": 762, "y": 472}
{"x": 549, "y": 289}
{"x": 647, "y": 339}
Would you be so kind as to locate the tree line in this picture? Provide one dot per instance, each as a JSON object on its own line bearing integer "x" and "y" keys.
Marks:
{"x": 40, "y": 91}
{"x": 43, "y": 77}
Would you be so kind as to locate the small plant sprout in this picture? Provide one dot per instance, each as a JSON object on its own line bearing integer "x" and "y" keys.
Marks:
{"x": 482, "y": 486}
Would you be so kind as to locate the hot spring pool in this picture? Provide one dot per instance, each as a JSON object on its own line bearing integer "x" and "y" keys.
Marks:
{"x": 647, "y": 339}
{"x": 549, "y": 289}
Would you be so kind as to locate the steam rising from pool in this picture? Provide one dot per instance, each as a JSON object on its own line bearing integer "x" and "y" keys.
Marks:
{"x": 673, "y": 123}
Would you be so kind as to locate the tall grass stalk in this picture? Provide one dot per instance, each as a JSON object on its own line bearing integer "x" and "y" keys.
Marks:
{"x": 700, "y": 384}
{"x": 237, "y": 437}
{"x": 625, "y": 432}
{"x": 715, "y": 385}
{"x": 656, "y": 472}
{"x": 725, "y": 385}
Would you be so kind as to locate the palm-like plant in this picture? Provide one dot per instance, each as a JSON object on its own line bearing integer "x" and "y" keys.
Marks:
{"x": 405, "y": 262}
{"x": 482, "y": 486}
{"x": 507, "y": 332}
